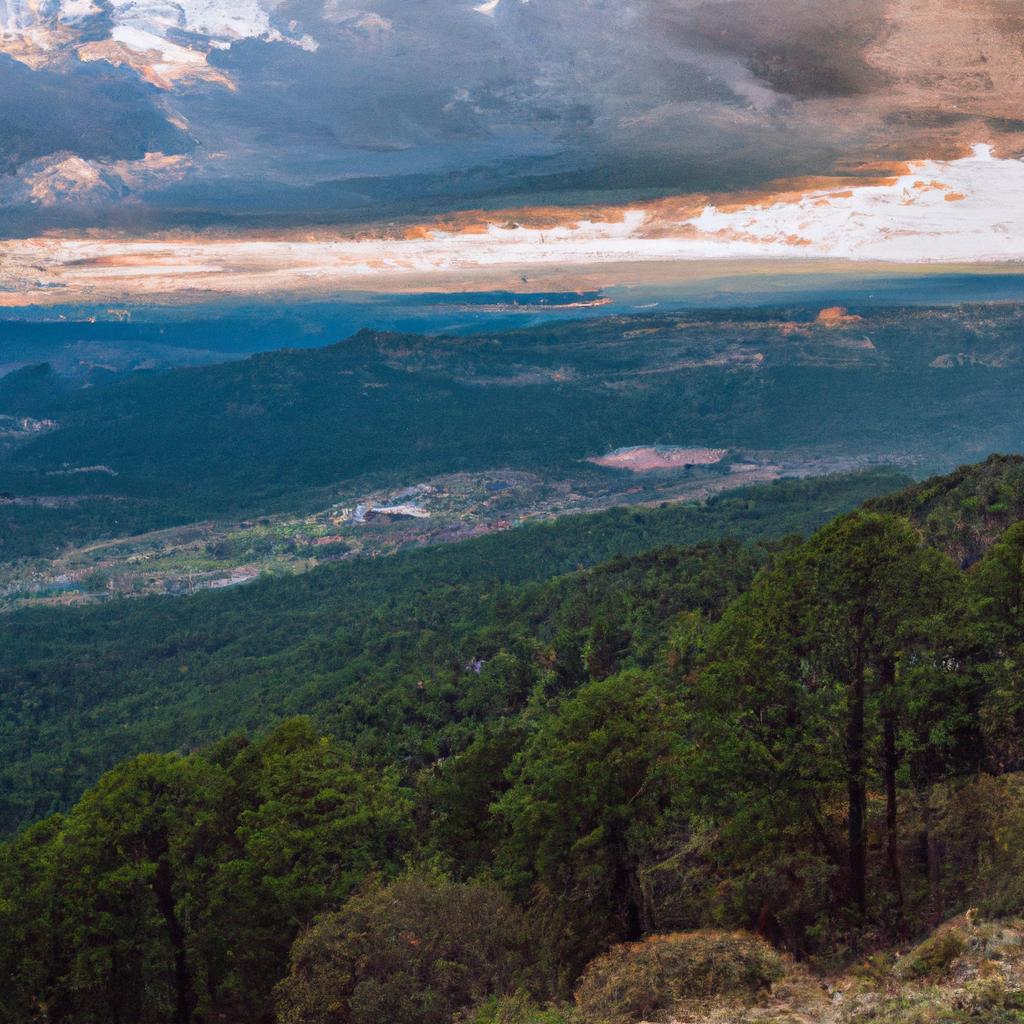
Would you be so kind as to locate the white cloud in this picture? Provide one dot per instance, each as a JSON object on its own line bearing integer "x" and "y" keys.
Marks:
{"x": 140, "y": 33}
{"x": 971, "y": 209}
{"x": 65, "y": 179}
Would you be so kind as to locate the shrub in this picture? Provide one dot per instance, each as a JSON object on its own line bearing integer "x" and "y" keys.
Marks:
{"x": 519, "y": 1009}
{"x": 414, "y": 952}
{"x": 635, "y": 981}
{"x": 934, "y": 955}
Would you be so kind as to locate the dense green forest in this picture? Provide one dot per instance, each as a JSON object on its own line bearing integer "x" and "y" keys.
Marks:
{"x": 819, "y": 741}
{"x": 80, "y": 689}
{"x": 928, "y": 387}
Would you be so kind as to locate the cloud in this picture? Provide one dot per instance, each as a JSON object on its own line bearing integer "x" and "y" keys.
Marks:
{"x": 969, "y": 210}
{"x": 317, "y": 109}
{"x": 166, "y": 44}
{"x": 358, "y": 24}
{"x": 66, "y": 180}
{"x": 93, "y": 112}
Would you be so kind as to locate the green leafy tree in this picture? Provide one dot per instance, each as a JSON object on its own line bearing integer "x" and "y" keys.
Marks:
{"x": 589, "y": 793}
{"x": 765, "y": 764}
{"x": 805, "y": 693}
{"x": 171, "y": 893}
{"x": 115, "y": 876}
{"x": 876, "y": 593}
{"x": 310, "y": 823}
{"x": 997, "y": 607}
{"x": 456, "y": 798}
{"x": 33, "y": 946}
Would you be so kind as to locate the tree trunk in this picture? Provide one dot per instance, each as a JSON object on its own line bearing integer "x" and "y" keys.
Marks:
{"x": 116, "y": 993}
{"x": 163, "y": 890}
{"x": 887, "y": 681}
{"x": 185, "y": 997}
{"x": 855, "y": 785}
{"x": 934, "y": 860}
{"x": 628, "y": 895}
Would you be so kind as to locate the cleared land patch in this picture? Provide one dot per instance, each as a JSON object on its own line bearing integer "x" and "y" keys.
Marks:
{"x": 643, "y": 459}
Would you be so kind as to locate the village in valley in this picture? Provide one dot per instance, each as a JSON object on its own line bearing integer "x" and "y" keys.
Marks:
{"x": 214, "y": 555}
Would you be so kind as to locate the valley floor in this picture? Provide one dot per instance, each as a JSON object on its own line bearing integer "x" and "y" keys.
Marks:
{"x": 213, "y": 555}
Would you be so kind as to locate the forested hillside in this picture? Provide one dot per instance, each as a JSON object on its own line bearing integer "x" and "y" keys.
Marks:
{"x": 349, "y": 643}
{"x": 819, "y": 742}
{"x": 923, "y": 387}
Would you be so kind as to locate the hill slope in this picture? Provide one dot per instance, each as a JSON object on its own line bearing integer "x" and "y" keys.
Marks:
{"x": 82, "y": 688}
{"x": 927, "y": 387}
{"x": 820, "y": 741}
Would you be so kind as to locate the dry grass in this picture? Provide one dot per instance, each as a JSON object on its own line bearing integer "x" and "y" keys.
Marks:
{"x": 663, "y": 975}
{"x": 967, "y": 972}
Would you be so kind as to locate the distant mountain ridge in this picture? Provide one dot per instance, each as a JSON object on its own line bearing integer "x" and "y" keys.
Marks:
{"x": 263, "y": 433}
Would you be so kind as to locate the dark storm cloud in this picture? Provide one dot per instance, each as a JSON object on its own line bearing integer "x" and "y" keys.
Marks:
{"x": 552, "y": 94}
{"x": 401, "y": 105}
{"x": 800, "y": 48}
{"x": 95, "y": 111}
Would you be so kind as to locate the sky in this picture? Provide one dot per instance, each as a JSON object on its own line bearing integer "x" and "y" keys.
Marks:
{"x": 397, "y": 138}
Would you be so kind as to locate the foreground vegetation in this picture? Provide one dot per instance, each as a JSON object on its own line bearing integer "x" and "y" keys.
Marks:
{"x": 691, "y": 783}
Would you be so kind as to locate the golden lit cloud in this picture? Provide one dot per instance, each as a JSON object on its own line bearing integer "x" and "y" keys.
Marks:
{"x": 968, "y": 210}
